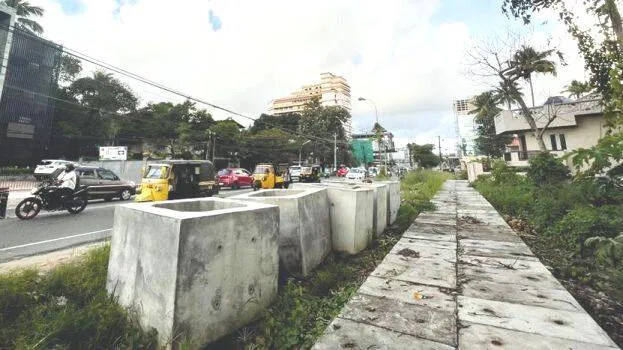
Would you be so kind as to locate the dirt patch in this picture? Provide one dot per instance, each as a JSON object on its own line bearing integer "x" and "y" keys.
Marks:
{"x": 466, "y": 219}
{"x": 409, "y": 253}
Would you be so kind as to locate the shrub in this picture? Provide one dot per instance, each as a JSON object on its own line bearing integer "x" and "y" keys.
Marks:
{"x": 545, "y": 169}
{"x": 67, "y": 308}
{"x": 462, "y": 175}
{"x": 502, "y": 173}
{"x": 584, "y": 222}
{"x": 510, "y": 198}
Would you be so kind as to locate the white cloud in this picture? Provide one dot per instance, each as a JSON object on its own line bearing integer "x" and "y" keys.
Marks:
{"x": 409, "y": 66}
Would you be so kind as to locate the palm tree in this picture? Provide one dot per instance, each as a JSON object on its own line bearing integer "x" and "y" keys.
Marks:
{"x": 507, "y": 92}
{"x": 24, "y": 10}
{"x": 527, "y": 61}
{"x": 577, "y": 88}
{"x": 485, "y": 104}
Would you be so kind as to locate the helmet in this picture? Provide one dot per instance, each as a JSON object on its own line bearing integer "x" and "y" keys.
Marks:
{"x": 69, "y": 167}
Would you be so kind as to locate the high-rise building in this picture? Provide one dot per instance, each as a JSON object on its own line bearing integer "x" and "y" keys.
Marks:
{"x": 465, "y": 127}
{"x": 28, "y": 83}
{"x": 333, "y": 90}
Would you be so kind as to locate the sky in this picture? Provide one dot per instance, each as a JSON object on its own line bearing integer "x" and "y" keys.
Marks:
{"x": 408, "y": 56}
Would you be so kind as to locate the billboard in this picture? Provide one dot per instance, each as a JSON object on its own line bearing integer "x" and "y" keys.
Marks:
{"x": 114, "y": 153}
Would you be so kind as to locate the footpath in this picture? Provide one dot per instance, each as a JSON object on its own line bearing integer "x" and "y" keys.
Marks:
{"x": 461, "y": 278}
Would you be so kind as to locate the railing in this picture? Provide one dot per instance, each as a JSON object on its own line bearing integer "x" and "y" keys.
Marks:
{"x": 527, "y": 155}
{"x": 16, "y": 183}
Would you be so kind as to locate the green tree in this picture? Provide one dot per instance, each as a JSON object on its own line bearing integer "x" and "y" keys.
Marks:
{"x": 69, "y": 68}
{"x": 423, "y": 155}
{"x": 525, "y": 62}
{"x": 602, "y": 50}
{"x": 287, "y": 122}
{"x": 507, "y": 92}
{"x": 528, "y": 61}
{"x": 577, "y": 88}
{"x": 24, "y": 10}
{"x": 488, "y": 142}
{"x": 228, "y": 138}
{"x": 322, "y": 123}
{"x": 268, "y": 145}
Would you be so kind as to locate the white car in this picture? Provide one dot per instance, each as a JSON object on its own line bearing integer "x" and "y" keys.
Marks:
{"x": 48, "y": 166}
{"x": 356, "y": 174}
{"x": 295, "y": 173}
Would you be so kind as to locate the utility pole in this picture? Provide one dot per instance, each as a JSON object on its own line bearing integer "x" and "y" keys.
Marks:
{"x": 334, "y": 151}
{"x": 439, "y": 142}
{"x": 213, "y": 146}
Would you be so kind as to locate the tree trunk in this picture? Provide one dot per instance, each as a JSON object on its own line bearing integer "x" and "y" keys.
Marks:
{"x": 527, "y": 114}
{"x": 615, "y": 19}
{"x": 531, "y": 90}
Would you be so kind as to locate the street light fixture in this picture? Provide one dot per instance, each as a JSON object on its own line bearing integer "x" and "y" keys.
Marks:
{"x": 301, "y": 150}
{"x": 376, "y": 111}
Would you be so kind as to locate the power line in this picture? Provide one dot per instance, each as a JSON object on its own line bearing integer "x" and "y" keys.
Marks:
{"x": 126, "y": 73}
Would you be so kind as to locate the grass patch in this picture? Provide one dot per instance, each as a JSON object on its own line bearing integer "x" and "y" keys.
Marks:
{"x": 69, "y": 308}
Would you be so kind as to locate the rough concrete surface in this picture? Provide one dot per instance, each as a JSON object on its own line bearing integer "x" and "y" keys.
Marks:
{"x": 461, "y": 278}
{"x": 304, "y": 225}
{"x": 352, "y": 215}
{"x": 204, "y": 267}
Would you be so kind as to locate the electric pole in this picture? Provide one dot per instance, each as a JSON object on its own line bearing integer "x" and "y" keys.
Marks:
{"x": 440, "y": 159}
{"x": 334, "y": 151}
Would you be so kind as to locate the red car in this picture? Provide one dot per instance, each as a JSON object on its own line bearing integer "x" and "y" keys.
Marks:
{"x": 341, "y": 172}
{"x": 234, "y": 178}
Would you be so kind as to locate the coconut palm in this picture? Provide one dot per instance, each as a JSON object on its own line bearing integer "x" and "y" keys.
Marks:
{"x": 527, "y": 61}
{"x": 485, "y": 104}
{"x": 507, "y": 92}
{"x": 24, "y": 11}
{"x": 577, "y": 88}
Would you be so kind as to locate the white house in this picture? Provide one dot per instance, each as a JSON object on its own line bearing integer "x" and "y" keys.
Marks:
{"x": 577, "y": 124}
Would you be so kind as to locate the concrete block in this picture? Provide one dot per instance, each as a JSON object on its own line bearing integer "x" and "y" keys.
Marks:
{"x": 204, "y": 267}
{"x": 576, "y": 326}
{"x": 352, "y": 215}
{"x": 304, "y": 225}
{"x": 393, "y": 200}
{"x": 380, "y": 204}
{"x": 347, "y": 334}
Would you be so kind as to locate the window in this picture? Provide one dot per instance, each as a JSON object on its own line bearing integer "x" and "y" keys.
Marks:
{"x": 107, "y": 175}
{"x": 554, "y": 144}
{"x": 563, "y": 142}
{"x": 87, "y": 173}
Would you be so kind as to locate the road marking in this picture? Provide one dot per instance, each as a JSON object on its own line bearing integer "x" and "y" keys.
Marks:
{"x": 11, "y": 211}
{"x": 53, "y": 240}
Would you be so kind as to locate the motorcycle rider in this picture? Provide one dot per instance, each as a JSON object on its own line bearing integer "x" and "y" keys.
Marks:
{"x": 66, "y": 184}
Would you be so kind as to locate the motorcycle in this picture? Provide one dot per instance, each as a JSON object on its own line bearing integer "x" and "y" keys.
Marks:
{"x": 42, "y": 198}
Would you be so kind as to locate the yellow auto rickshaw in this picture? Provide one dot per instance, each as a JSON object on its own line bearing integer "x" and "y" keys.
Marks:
{"x": 177, "y": 179}
{"x": 265, "y": 176}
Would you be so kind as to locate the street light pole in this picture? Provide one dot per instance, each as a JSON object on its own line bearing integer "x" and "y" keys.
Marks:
{"x": 382, "y": 151}
{"x": 440, "y": 159}
{"x": 301, "y": 150}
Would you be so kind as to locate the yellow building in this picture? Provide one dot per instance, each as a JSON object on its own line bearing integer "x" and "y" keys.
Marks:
{"x": 333, "y": 90}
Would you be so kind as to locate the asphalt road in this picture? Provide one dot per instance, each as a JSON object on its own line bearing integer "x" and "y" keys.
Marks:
{"x": 59, "y": 230}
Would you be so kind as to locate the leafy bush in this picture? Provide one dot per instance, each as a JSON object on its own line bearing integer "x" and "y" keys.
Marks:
{"x": 510, "y": 198}
{"x": 584, "y": 222}
{"x": 462, "y": 175}
{"x": 502, "y": 173}
{"x": 545, "y": 169}
{"x": 607, "y": 251}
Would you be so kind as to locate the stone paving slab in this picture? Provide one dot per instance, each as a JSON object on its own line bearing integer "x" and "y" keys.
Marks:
{"x": 409, "y": 292}
{"x": 474, "y": 336}
{"x": 418, "y": 321}
{"x": 427, "y": 272}
{"x": 528, "y": 295}
{"x": 497, "y": 249}
{"x": 533, "y": 319}
{"x": 497, "y": 296}
{"x": 347, "y": 334}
